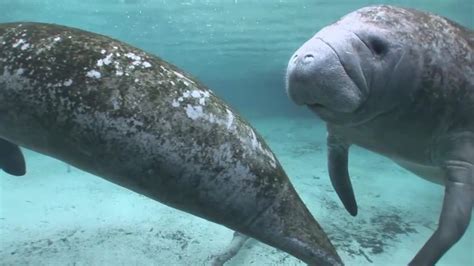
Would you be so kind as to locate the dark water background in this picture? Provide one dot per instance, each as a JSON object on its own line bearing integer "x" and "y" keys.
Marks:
{"x": 239, "y": 48}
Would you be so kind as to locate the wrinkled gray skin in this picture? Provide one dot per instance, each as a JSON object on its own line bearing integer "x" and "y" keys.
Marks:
{"x": 127, "y": 116}
{"x": 398, "y": 82}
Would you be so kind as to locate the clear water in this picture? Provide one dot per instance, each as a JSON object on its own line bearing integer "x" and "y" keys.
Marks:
{"x": 239, "y": 48}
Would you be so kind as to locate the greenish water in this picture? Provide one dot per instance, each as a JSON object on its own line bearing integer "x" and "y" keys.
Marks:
{"x": 240, "y": 49}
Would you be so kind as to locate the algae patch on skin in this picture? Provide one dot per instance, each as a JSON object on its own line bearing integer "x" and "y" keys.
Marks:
{"x": 93, "y": 74}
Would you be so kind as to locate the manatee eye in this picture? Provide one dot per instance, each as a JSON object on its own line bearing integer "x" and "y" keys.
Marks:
{"x": 378, "y": 46}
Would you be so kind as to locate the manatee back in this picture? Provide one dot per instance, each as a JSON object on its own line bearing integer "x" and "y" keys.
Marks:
{"x": 120, "y": 113}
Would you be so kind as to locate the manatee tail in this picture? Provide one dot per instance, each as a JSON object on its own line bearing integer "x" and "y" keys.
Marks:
{"x": 11, "y": 158}
{"x": 290, "y": 227}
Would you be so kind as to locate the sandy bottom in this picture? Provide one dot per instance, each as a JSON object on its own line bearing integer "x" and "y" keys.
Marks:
{"x": 56, "y": 215}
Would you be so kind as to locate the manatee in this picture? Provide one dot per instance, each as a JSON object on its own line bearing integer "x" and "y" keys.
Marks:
{"x": 120, "y": 113}
{"x": 398, "y": 82}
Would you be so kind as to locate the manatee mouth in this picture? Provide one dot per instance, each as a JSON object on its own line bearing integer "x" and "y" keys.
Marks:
{"x": 316, "y": 106}
{"x": 323, "y": 111}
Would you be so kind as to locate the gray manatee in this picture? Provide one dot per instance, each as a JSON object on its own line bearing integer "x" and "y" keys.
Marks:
{"x": 398, "y": 82}
{"x": 122, "y": 114}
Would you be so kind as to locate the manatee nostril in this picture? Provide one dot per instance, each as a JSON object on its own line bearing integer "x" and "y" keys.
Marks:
{"x": 308, "y": 58}
{"x": 294, "y": 58}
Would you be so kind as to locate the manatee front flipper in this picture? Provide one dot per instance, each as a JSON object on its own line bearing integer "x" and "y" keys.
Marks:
{"x": 230, "y": 251}
{"x": 11, "y": 158}
{"x": 457, "y": 204}
{"x": 338, "y": 153}
{"x": 455, "y": 215}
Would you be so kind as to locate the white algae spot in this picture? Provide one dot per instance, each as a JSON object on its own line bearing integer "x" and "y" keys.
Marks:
{"x": 20, "y": 71}
{"x": 133, "y": 56}
{"x": 254, "y": 140}
{"x": 196, "y": 94}
{"x": 179, "y": 75}
{"x": 137, "y": 61}
{"x": 175, "y": 103}
{"x": 67, "y": 83}
{"x": 193, "y": 95}
{"x": 230, "y": 119}
{"x": 93, "y": 74}
{"x": 105, "y": 61}
{"x": 108, "y": 59}
{"x": 25, "y": 46}
{"x": 194, "y": 112}
{"x": 20, "y": 41}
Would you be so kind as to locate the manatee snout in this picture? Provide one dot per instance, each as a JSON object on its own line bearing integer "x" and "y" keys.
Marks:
{"x": 305, "y": 83}
{"x": 318, "y": 76}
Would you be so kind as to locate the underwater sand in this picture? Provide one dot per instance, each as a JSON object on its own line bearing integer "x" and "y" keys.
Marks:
{"x": 60, "y": 216}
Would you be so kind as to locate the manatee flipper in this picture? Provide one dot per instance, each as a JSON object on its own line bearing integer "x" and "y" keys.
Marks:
{"x": 235, "y": 245}
{"x": 455, "y": 214}
{"x": 11, "y": 158}
{"x": 338, "y": 152}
